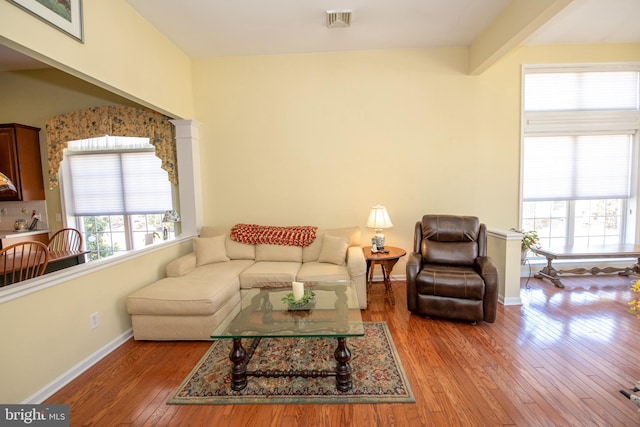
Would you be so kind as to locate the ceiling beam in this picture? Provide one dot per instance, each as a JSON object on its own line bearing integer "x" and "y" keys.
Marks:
{"x": 512, "y": 26}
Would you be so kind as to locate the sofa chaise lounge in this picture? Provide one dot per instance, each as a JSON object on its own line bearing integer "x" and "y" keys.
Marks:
{"x": 202, "y": 287}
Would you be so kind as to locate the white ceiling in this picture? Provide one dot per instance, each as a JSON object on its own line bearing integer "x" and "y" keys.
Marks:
{"x": 206, "y": 28}
{"x": 257, "y": 27}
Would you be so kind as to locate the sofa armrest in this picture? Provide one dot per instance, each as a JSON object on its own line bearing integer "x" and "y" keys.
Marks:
{"x": 181, "y": 266}
{"x": 356, "y": 263}
{"x": 357, "y": 268}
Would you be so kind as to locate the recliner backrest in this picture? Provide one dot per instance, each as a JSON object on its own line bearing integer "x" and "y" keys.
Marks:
{"x": 451, "y": 239}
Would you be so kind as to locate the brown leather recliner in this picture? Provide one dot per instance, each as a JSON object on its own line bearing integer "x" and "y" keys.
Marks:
{"x": 449, "y": 273}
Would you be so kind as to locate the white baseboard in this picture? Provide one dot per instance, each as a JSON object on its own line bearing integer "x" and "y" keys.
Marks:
{"x": 509, "y": 301}
{"x": 64, "y": 379}
{"x": 394, "y": 277}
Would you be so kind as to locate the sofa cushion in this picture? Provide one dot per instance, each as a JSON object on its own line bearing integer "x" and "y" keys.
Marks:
{"x": 312, "y": 252}
{"x": 179, "y": 297}
{"x": 210, "y": 250}
{"x": 334, "y": 249}
{"x": 223, "y": 270}
{"x": 199, "y": 293}
{"x": 181, "y": 266}
{"x": 237, "y": 250}
{"x": 268, "y": 271}
{"x": 322, "y": 272}
{"x": 208, "y": 231}
{"x": 278, "y": 253}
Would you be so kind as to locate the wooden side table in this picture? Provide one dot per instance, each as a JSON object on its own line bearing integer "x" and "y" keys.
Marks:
{"x": 386, "y": 262}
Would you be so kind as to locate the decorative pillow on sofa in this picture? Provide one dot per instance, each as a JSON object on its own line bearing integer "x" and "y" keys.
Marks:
{"x": 210, "y": 250}
{"x": 312, "y": 252}
{"x": 334, "y": 249}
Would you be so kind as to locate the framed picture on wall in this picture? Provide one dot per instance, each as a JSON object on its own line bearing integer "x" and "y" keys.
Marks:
{"x": 65, "y": 15}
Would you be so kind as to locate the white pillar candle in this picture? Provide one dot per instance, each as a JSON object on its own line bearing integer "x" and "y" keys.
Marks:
{"x": 298, "y": 290}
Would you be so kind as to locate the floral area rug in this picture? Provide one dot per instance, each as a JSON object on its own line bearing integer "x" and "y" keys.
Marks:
{"x": 377, "y": 373}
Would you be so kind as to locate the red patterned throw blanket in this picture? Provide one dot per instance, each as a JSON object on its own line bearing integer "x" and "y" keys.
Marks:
{"x": 286, "y": 236}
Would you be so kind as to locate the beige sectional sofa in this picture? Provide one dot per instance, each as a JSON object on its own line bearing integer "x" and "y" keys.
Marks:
{"x": 202, "y": 287}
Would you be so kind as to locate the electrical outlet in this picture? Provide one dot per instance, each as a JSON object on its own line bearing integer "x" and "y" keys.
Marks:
{"x": 3, "y": 211}
{"x": 94, "y": 320}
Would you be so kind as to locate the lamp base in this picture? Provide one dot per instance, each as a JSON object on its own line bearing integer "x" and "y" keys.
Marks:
{"x": 379, "y": 239}
{"x": 165, "y": 233}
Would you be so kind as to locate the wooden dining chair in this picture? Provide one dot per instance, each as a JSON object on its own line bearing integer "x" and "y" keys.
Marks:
{"x": 22, "y": 261}
{"x": 67, "y": 239}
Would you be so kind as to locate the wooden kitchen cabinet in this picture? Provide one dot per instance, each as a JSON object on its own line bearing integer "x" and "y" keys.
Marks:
{"x": 20, "y": 161}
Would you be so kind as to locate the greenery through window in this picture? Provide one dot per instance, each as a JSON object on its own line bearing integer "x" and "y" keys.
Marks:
{"x": 108, "y": 235}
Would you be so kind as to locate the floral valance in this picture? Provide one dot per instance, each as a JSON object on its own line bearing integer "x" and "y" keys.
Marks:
{"x": 110, "y": 120}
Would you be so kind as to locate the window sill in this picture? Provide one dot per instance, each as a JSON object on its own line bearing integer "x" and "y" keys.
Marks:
{"x": 12, "y": 292}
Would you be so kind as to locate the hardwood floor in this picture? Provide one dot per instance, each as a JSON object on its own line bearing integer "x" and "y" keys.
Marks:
{"x": 560, "y": 359}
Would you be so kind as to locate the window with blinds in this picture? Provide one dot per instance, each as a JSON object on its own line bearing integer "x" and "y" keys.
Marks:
{"x": 115, "y": 192}
{"x": 582, "y": 167}
{"x": 118, "y": 184}
{"x": 580, "y": 91}
{"x": 580, "y": 144}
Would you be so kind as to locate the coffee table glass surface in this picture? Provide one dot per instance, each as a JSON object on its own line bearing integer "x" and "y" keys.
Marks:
{"x": 261, "y": 313}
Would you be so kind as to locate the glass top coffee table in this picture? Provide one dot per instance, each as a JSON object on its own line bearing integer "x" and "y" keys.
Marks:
{"x": 334, "y": 313}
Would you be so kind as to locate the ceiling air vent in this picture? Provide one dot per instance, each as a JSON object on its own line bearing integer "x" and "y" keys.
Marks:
{"x": 338, "y": 18}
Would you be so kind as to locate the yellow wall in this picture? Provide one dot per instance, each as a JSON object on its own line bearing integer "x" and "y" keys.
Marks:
{"x": 286, "y": 139}
{"x": 48, "y": 333}
{"x": 319, "y": 138}
{"x": 121, "y": 52}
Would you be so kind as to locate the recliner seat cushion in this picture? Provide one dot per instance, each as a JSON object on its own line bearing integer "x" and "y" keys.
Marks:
{"x": 450, "y": 281}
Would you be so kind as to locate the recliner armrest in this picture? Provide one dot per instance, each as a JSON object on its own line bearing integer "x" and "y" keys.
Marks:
{"x": 489, "y": 272}
{"x": 485, "y": 266}
{"x": 414, "y": 263}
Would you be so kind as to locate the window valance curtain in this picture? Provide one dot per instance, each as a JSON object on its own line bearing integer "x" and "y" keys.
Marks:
{"x": 110, "y": 120}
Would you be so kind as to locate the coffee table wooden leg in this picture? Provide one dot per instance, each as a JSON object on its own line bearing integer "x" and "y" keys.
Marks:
{"x": 239, "y": 370}
{"x": 343, "y": 369}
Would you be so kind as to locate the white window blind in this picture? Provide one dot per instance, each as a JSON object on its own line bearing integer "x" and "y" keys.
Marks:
{"x": 581, "y": 91}
{"x": 118, "y": 184}
{"x": 577, "y": 167}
